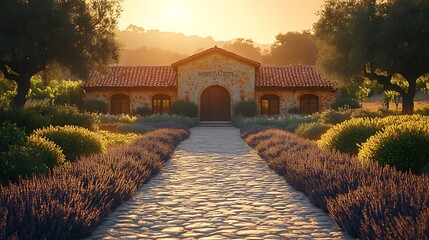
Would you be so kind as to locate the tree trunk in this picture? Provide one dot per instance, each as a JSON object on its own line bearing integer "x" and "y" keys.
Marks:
{"x": 23, "y": 87}
{"x": 408, "y": 104}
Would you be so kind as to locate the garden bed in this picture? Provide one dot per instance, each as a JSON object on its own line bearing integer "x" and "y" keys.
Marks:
{"x": 70, "y": 201}
{"x": 366, "y": 200}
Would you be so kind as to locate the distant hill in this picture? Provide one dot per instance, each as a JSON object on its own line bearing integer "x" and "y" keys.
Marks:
{"x": 153, "y": 47}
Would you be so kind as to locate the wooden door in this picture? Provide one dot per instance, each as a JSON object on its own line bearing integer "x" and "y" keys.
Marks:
{"x": 215, "y": 104}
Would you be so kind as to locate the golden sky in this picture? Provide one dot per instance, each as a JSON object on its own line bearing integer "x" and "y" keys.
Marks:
{"x": 259, "y": 20}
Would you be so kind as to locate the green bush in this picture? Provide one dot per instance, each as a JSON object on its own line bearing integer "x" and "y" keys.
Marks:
{"x": 312, "y": 131}
{"x": 184, "y": 108}
{"x": 294, "y": 111}
{"x": 70, "y": 115}
{"x": 135, "y": 128}
{"x": 345, "y": 103}
{"x": 96, "y": 106}
{"x": 346, "y": 137}
{"x": 422, "y": 111}
{"x": 288, "y": 122}
{"x": 19, "y": 162}
{"x": 188, "y": 122}
{"x": 68, "y": 93}
{"x": 363, "y": 113}
{"x": 331, "y": 116}
{"x": 245, "y": 108}
{"x": 404, "y": 146}
{"x": 45, "y": 151}
{"x": 74, "y": 141}
{"x": 143, "y": 111}
{"x": 10, "y": 135}
{"x": 27, "y": 119}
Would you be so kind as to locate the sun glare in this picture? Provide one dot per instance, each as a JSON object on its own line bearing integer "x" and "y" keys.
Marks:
{"x": 176, "y": 14}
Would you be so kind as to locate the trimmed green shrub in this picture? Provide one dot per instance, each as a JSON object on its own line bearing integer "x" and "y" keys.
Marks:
{"x": 10, "y": 135}
{"x": 27, "y": 119}
{"x": 294, "y": 111}
{"x": 288, "y": 122}
{"x": 346, "y": 137}
{"x": 245, "y": 108}
{"x": 363, "y": 113}
{"x": 74, "y": 141}
{"x": 345, "y": 103}
{"x": 422, "y": 111}
{"x": 188, "y": 122}
{"x": 19, "y": 162}
{"x": 404, "y": 146}
{"x": 135, "y": 128}
{"x": 331, "y": 116}
{"x": 143, "y": 111}
{"x": 312, "y": 131}
{"x": 70, "y": 115}
{"x": 46, "y": 151}
{"x": 96, "y": 106}
{"x": 184, "y": 108}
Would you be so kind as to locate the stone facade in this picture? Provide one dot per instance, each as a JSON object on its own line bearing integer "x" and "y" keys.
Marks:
{"x": 236, "y": 77}
{"x": 138, "y": 97}
{"x": 290, "y": 99}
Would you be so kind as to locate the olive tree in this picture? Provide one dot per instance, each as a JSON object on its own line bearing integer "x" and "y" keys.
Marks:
{"x": 380, "y": 40}
{"x": 76, "y": 34}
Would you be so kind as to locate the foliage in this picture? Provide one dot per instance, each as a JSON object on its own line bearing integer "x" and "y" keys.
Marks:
{"x": 67, "y": 93}
{"x": 294, "y": 48}
{"x": 45, "y": 151}
{"x": 346, "y": 137}
{"x": 143, "y": 111}
{"x": 312, "y": 131}
{"x": 345, "y": 103}
{"x": 366, "y": 200}
{"x": 174, "y": 125}
{"x": 404, "y": 146}
{"x": 10, "y": 135}
{"x": 135, "y": 128}
{"x": 96, "y": 106}
{"x": 184, "y": 108}
{"x": 294, "y": 111}
{"x": 74, "y": 141}
{"x": 377, "y": 40}
{"x": 70, "y": 202}
{"x": 76, "y": 34}
{"x": 121, "y": 118}
{"x": 116, "y": 139}
{"x": 331, "y": 116}
{"x": 27, "y": 119}
{"x": 363, "y": 113}
{"x": 245, "y": 108}
{"x": 245, "y": 48}
{"x": 188, "y": 122}
{"x": 422, "y": 111}
{"x": 287, "y": 122}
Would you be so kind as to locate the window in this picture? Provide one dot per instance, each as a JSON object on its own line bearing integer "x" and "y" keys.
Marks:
{"x": 161, "y": 104}
{"x": 269, "y": 104}
{"x": 309, "y": 103}
{"x": 120, "y": 103}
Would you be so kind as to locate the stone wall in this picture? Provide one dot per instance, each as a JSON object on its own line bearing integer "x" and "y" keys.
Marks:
{"x": 138, "y": 97}
{"x": 216, "y": 69}
{"x": 290, "y": 98}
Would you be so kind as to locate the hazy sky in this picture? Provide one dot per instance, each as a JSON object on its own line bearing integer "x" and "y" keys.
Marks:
{"x": 259, "y": 20}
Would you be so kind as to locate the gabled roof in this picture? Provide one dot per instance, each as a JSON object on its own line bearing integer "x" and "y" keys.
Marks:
{"x": 214, "y": 50}
{"x": 127, "y": 76}
{"x": 291, "y": 77}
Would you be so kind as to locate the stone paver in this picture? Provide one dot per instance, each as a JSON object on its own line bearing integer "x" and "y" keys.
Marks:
{"x": 217, "y": 187}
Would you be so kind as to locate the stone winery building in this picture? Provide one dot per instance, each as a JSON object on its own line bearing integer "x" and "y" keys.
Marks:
{"x": 215, "y": 80}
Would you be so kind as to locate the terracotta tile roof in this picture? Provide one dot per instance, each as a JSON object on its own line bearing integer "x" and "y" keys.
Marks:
{"x": 290, "y": 76}
{"x": 212, "y": 50}
{"x": 129, "y": 76}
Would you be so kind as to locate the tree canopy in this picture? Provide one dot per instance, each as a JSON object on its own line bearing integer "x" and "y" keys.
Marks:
{"x": 375, "y": 39}
{"x": 294, "y": 48}
{"x": 76, "y": 34}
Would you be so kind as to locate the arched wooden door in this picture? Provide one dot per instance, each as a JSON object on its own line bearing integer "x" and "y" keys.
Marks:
{"x": 215, "y": 104}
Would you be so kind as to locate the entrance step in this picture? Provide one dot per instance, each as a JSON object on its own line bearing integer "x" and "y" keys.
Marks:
{"x": 215, "y": 124}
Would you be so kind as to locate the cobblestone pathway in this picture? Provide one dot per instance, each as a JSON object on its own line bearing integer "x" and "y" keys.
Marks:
{"x": 217, "y": 187}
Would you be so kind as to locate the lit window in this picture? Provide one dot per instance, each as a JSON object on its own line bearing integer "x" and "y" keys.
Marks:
{"x": 161, "y": 104}
{"x": 269, "y": 104}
